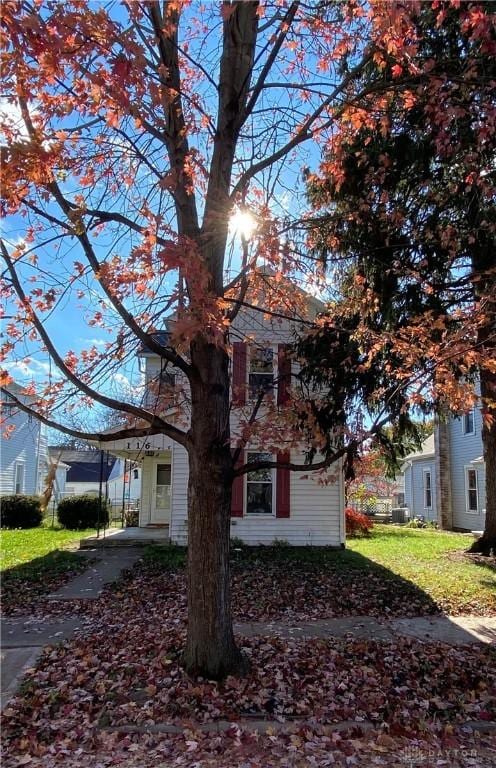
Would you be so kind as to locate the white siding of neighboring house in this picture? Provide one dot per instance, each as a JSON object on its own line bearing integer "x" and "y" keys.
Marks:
{"x": 115, "y": 483}
{"x": 59, "y": 481}
{"x": 414, "y": 487}
{"x": 92, "y": 488}
{"x": 26, "y": 446}
{"x": 463, "y": 450}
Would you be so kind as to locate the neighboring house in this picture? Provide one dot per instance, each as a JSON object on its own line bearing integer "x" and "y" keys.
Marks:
{"x": 419, "y": 471}
{"x": 85, "y": 468}
{"x": 266, "y": 506}
{"x": 124, "y": 484}
{"x": 23, "y": 447}
{"x": 461, "y": 471}
{"x": 448, "y": 474}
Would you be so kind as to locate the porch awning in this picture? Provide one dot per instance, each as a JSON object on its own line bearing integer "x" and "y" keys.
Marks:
{"x": 136, "y": 448}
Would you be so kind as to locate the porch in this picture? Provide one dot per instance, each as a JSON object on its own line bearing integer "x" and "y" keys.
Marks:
{"x": 127, "y": 537}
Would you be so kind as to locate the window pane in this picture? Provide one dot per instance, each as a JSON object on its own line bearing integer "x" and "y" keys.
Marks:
{"x": 469, "y": 422}
{"x": 261, "y": 360}
{"x": 472, "y": 499}
{"x": 428, "y": 499}
{"x": 163, "y": 474}
{"x": 259, "y": 498}
{"x": 260, "y": 382}
{"x": 260, "y": 475}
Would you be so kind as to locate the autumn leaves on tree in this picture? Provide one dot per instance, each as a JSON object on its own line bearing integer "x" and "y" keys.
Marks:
{"x": 131, "y": 134}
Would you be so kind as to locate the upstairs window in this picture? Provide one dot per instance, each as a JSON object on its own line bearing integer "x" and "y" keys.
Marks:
{"x": 468, "y": 423}
{"x": 259, "y": 487}
{"x": 427, "y": 489}
{"x": 471, "y": 490}
{"x": 260, "y": 371}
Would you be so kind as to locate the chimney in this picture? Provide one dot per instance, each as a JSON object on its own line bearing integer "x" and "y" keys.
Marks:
{"x": 443, "y": 474}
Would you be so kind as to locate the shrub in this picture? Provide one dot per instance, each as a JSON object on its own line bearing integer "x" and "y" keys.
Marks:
{"x": 77, "y": 512}
{"x": 20, "y": 511}
{"x": 356, "y": 523}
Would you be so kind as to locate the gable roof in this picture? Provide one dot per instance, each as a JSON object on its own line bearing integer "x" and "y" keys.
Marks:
{"x": 427, "y": 450}
{"x": 163, "y": 336}
{"x": 84, "y": 466}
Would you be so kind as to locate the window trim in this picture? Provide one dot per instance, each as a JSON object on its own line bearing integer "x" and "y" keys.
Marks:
{"x": 468, "y": 468}
{"x": 270, "y": 392}
{"x": 256, "y": 515}
{"x": 426, "y": 472}
{"x": 19, "y": 465}
{"x": 472, "y": 431}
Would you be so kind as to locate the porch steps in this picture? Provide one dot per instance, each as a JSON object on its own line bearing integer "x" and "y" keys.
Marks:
{"x": 127, "y": 537}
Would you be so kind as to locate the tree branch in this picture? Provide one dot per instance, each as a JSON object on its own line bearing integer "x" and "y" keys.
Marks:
{"x": 102, "y": 437}
{"x": 109, "y": 402}
{"x": 306, "y": 131}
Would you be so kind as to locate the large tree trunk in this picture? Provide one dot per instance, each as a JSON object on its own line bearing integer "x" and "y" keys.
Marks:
{"x": 484, "y": 287}
{"x": 487, "y": 541}
{"x": 210, "y": 647}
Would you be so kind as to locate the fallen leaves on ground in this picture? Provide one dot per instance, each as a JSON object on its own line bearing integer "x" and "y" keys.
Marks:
{"x": 124, "y": 668}
{"x": 264, "y": 591}
{"x": 21, "y": 593}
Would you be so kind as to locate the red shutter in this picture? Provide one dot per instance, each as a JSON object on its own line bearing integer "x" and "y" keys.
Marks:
{"x": 239, "y": 373}
{"x": 237, "y": 493}
{"x": 283, "y": 374}
{"x": 282, "y": 487}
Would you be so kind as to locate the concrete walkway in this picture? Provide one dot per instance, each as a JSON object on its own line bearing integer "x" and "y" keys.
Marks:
{"x": 106, "y": 569}
{"x": 453, "y": 630}
{"x": 23, "y": 637}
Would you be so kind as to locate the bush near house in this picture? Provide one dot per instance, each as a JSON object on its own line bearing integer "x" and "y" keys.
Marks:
{"x": 78, "y": 512}
{"x": 20, "y": 511}
{"x": 356, "y": 523}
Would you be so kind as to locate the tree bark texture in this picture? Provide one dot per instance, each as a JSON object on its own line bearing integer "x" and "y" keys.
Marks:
{"x": 487, "y": 542}
{"x": 484, "y": 287}
{"x": 210, "y": 648}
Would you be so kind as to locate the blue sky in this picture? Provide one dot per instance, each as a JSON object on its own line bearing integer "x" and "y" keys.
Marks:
{"x": 68, "y": 325}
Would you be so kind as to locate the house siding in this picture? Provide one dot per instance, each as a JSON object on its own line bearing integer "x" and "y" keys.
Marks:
{"x": 26, "y": 445}
{"x": 414, "y": 488}
{"x": 463, "y": 450}
{"x": 316, "y": 510}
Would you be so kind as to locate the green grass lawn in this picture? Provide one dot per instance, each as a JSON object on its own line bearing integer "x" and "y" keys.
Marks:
{"x": 36, "y": 561}
{"x": 20, "y": 547}
{"x": 394, "y": 561}
{"x": 433, "y": 560}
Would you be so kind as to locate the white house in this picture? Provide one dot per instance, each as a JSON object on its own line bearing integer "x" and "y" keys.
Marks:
{"x": 266, "y": 505}
{"x": 23, "y": 447}
{"x": 419, "y": 472}
{"x": 448, "y": 474}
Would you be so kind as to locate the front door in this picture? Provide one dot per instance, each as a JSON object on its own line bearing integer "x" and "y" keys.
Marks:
{"x": 161, "y": 497}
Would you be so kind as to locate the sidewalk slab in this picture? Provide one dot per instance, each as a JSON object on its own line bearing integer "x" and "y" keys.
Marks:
{"x": 105, "y": 570}
{"x": 15, "y": 663}
{"x": 357, "y": 626}
{"x": 453, "y": 630}
{"x": 25, "y": 632}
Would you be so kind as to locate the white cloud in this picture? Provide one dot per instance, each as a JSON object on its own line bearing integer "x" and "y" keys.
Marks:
{"x": 93, "y": 342}
{"x": 29, "y": 368}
